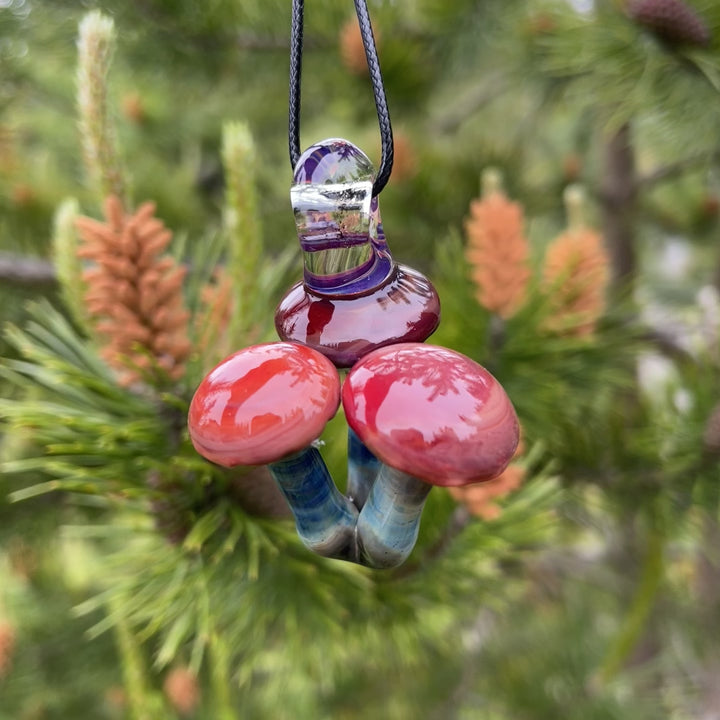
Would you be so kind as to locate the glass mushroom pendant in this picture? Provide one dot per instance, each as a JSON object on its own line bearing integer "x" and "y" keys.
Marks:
{"x": 419, "y": 415}
{"x": 353, "y": 297}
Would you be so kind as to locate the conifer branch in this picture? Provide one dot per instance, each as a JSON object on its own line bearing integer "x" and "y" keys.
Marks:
{"x": 674, "y": 170}
{"x": 618, "y": 197}
{"x": 67, "y": 263}
{"x": 144, "y": 703}
{"x": 23, "y": 270}
{"x": 456, "y": 113}
{"x": 639, "y": 611}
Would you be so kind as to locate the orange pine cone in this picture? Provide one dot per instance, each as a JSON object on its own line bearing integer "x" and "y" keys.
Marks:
{"x": 133, "y": 107}
{"x": 405, "y": 163}
{"x": 217, "y": 298}
{"x": 7, "y": 646}
{"x": 352, "y": 50}
{"x": 478, "y": 498}
{"x": 135, "y": 295}
{"x": 116, "y": 697}
{"x": 23, "y": 195}
{"x": 576, "y": 275}
{"x": 498, "y": 253}
{"x": 182, "y": 690}
{"x": 214, "y": 318}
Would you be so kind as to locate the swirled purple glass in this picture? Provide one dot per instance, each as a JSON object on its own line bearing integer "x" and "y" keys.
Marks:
{"x": 353, "y": 297}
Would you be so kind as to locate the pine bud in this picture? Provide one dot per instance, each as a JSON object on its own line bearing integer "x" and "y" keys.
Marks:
{"x": 23, "y": 196}
{"x": 576, "y": 273}
{"x": 541, "y": 23}
{"x": 116, "y": 698}
{"x": 572, "y": 167}
{"x": 213, "y": 318}
{"x": 405, "y": 159}
{"x": 479, "y": 497}
{"x": 133, "y": 107}
{"x": 134, "y": 294}
{"x": 244, "y": 231}
{"x": 182, "y": 690}
{"x": 352, "y": 50}
{"x": 673, "y": 21}
{"x": 96, "y": 45}
{"x": 497, "y": 249}
{"x": 7, "y": 646}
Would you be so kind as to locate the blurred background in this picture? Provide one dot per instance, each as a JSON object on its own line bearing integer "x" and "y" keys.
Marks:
{"x": 557, "y": 175}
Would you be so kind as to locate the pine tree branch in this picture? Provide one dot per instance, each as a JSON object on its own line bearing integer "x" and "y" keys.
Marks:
{"x": 639, "y": 611}
{"x": 674, "y": 170}
{"x": 458, "y": 112}
{"x": 22, "y": 270}
{"x": 618, "y": 196}
{"x": 165, "y": 21}
{"x": 667, "y": 345}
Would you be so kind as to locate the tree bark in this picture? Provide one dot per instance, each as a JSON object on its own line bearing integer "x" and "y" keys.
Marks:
{"x": 19, "y": 270}
{"x": 619, "y": 192}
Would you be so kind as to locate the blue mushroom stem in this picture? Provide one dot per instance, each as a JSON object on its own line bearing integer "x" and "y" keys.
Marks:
{"x": 325, "y": 519}
{"x": 387, "y": 528}
{"x": 363, "y": 468}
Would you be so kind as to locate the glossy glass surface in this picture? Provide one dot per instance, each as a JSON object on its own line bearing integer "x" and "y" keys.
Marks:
{"x": 263, "y": 403}
{"x": 333, "y": 161}
{"x": 325, "y": 519}
{"x": 363, "y": 468}
{"x": 338, "y": 220}
{"x": 388, "y": 526}
{"x": 432, "y": 413}
{"x": 406, "y": 308}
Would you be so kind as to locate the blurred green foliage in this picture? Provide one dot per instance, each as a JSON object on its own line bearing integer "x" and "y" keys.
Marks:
{"x": 593, "y": 595}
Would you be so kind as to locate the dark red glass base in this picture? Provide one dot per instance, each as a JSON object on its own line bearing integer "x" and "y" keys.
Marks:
{"x": 405, "y": 308}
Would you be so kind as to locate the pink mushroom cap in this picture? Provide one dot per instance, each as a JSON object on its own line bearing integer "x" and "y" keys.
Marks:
{"x": 263, "y": 403}
{"x": 432, "y": 413}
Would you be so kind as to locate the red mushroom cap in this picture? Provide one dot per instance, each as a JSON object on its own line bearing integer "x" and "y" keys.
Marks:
{"x": 432, "y": 413}
{"x": 263, "y": 403}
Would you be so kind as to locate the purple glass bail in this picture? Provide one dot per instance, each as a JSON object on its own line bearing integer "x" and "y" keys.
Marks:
{"x": 353, "y": 297}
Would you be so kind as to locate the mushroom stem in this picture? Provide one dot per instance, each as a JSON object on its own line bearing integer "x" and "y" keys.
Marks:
{"x": 363, "y": 468}
{"x": 325, "y": 519}
{"x": 387, "y": 528}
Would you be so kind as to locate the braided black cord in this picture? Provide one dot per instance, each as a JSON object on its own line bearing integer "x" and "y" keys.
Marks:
{"x": 386, "y": 135}
{"x": 296, "y": 44}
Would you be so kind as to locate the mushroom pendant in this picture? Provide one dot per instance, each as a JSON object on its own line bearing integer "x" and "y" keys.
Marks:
{"x": 419, "y": 415}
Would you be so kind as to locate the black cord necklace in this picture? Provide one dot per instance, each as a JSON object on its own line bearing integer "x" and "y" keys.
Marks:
{"x": 296, "y": 50}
